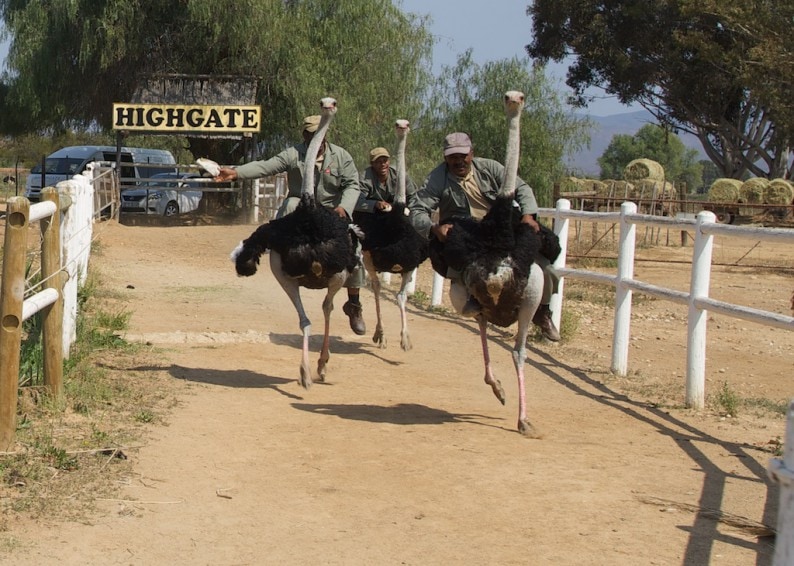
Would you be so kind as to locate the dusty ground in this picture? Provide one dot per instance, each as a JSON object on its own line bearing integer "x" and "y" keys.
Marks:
{"x": 407, "y": 458}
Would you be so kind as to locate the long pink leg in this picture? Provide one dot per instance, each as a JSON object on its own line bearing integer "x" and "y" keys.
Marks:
{"x": 496, "y": 386}
{"x": 328, "y": 307}
{"x": 402, "y": 299}
{"x": 528, "y": 308}
{"x": 378, "y": 337}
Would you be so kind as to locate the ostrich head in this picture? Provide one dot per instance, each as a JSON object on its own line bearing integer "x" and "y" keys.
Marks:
{"x": 514, "y": 104}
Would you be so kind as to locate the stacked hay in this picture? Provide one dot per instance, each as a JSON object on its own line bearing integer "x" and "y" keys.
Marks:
{"x": 779, "y": 191}
{"x": 752, "y": 192}
{"x": 664, "y": 191}
{"x": 619, "y": 189}
{"x": 571, "y": 185}
{"x": 725, "y": 190}
{"x": 643, "y": 169}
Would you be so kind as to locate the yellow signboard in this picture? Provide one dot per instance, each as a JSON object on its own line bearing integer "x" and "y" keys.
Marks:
{"x": 186, "y": 118}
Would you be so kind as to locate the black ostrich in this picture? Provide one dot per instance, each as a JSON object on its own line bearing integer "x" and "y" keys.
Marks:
{"x": 392, "y": 245}
{"x": 495, "y": 259}
{"x": 310, "y": 247}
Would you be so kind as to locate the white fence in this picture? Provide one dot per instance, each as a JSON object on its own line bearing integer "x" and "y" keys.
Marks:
{"x": 66, "y": 220}
{"x": 624, "y": 283}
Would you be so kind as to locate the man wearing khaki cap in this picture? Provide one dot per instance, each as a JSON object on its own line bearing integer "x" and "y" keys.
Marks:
{"x": 464, "y": 185}
{"x": 336, "y": 187}
{"x": 379, "y": 183}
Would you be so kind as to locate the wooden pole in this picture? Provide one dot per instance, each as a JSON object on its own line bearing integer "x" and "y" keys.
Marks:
{"x": 12, "y": 295}
{"x": 52, "y": 332}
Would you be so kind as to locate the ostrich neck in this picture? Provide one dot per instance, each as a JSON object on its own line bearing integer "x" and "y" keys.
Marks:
{"x": 311, "y": 154}
{"x": 400, "y": 196}
{"x": 511, "y": 159}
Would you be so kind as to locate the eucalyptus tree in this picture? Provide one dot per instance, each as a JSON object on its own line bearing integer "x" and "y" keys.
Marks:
{"x": 468, "y": 98}
{"x": 692, "y": 63}
{"x": 70, "y": 60}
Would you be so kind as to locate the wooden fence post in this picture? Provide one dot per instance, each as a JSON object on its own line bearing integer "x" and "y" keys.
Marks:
{"x": 12, "y": 296}
{"x": 52, "y": 332}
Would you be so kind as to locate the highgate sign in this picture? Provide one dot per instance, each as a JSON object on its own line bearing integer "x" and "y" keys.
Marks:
{"x": 186, "y": 118}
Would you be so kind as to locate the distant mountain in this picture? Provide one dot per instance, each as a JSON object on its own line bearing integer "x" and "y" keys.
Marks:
{"x": 584, "y": 164}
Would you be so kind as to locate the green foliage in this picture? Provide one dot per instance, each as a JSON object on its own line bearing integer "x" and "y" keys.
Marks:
{"x": 70, "y": 61}
{"x": 468, "y": 97}
{"x": 728, "y": 399}
{"x": 694, "y": 65}
{"x": 652, "y": 142}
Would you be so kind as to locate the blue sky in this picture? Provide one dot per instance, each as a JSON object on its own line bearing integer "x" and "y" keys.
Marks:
{"x": 493, "y": 29}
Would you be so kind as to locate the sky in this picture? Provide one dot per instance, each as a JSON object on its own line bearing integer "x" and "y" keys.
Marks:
{"x": 494, "y": 30}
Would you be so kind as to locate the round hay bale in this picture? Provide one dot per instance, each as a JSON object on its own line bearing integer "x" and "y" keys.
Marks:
{"x": 594, "y": 185}
{"x": 779, "y": 191}
{"x": 725, "y": 190}
{"x": 650, "y": 188}
{"x": 752, "y": 192}
{"x": 643, "y": 169}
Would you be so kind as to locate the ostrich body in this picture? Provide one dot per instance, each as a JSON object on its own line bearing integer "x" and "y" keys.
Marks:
{"x": 495, "y": 259}
{"x": 310, "y": 247}
{"x": 392, "y": 245}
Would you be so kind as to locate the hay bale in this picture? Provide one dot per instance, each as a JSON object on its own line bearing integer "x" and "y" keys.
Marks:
{"x": 643, "y": 169}
{"x": 779, "y": 191}
{"x": 644, "y": 189}
{"x": 571, "y": 185}
{"x": 619, "y": 189}
{"x": 752, "y": 192}
{"x": 725, "y": 190}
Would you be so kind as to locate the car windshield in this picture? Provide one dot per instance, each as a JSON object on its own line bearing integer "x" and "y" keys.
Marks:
{"x": 59, "y": 166}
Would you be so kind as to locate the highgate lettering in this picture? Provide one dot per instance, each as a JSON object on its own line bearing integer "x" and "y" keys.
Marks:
{"x": 185, "y": 118}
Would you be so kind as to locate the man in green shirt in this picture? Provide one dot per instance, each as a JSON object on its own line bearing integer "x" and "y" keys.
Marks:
{"x": 336, "y": 187}
{"x": 464, "y": 185}
{"x": 379, "y": 183}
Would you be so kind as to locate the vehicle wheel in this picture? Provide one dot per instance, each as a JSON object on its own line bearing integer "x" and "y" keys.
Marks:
{"x": 724, "y": 218}
{"x": 171, "y": 209}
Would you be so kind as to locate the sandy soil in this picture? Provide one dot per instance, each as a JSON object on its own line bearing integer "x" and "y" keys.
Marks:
{"x": 407, "y": 457}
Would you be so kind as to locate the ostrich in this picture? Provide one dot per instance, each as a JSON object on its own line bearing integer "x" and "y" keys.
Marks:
{"x": 495, "y": 259}
{"x": 392, "y": 245}
{"x": 310, "y": 247}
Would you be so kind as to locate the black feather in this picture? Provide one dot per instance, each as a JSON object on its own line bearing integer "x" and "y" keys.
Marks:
{"x": 499, "y": 242}
{"x": 393, "y": 243}
{"x": 308, "y": 239}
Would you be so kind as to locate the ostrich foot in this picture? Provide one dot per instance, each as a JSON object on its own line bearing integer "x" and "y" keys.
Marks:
{"x": 527, "y": 429}
{"x": 306, "y": 377}
{"x": 379, "y": 338}
{"x": 405, "y": 342}
{"x": 496, "y": 387}
{"x": 322, "y": 368}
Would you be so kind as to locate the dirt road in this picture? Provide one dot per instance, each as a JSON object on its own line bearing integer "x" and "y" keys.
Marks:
{"x": 408, "y": 458}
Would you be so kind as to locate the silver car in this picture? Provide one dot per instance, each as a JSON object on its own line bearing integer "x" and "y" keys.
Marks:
{"x": 159, "y": 195}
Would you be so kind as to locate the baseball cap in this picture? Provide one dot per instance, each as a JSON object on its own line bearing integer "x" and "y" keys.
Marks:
{"x": 378, "y": 152}
{"x": 457, "y": 142}
{"x": 311, "y": 123}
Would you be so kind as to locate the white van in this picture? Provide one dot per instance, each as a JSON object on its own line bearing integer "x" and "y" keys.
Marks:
{"x": 69, "y": 161}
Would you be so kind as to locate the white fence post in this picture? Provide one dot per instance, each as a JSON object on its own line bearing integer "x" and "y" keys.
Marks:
{"x": 438, "y": 289}
{"x": 76, "y": 234}
{"x": 698, "y": 317}
{"x": 782, "y": 471}
{"x": 561, "y": 225}
{"x": 623, "y": 293}
{"x": 410, "y": 289}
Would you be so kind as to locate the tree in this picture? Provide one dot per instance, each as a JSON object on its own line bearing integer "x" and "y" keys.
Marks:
{"x": 468, "y": 97}
{"x": 69, "y": 61}
{"x": 688, "y": 62}
{"x": 653, "y": 142}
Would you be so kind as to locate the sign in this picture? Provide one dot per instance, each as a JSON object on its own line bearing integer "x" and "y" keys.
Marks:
{"x": 187, "y": 118}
